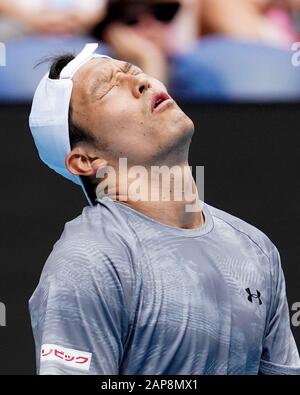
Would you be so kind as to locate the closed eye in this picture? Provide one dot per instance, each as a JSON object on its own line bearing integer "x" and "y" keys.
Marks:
{"x": 128, "y": 67}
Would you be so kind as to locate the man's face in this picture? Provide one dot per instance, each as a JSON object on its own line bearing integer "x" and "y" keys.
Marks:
{"x": 115, "y": 102}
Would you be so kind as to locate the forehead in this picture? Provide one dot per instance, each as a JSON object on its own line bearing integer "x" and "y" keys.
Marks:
{"x": 98, "y": 65}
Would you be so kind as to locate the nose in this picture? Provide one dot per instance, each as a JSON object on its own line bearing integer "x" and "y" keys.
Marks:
{"x": 139, "y": 84}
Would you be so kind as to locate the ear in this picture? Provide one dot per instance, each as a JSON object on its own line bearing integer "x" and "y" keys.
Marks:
{"x": 81, "y": 163}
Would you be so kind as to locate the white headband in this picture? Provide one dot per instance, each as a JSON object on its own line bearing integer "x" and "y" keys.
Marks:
{"x": 49, "y": 117}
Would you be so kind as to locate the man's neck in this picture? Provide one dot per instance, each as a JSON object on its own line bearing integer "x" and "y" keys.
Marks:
{"x": 167, "y": 202}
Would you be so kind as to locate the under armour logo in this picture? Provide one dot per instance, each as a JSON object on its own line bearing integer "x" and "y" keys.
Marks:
{"x": 252, "y": 296}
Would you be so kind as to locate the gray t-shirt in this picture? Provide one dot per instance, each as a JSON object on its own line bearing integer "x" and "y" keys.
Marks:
{"x": 122, "y": 293}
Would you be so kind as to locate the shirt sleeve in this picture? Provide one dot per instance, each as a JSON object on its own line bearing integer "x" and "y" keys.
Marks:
{"x": 80, "y": 310}
{"x": 279, "y": 355}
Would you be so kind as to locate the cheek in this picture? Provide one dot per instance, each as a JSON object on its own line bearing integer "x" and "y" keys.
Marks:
{"x": 120, "y": 131}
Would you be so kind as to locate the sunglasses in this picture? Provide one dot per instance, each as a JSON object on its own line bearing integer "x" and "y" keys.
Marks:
{"x": 130, "y": 12}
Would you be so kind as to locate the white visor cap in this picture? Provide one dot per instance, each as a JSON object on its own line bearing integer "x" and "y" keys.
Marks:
{"x": 49, "y": 116}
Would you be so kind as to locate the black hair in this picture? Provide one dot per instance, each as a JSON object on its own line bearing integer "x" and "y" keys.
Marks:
{"x": 76, "y": 133}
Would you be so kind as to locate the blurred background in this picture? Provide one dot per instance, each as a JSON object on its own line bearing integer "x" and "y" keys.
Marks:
{"x": 233, "y": 67}
{"x": 216, "y": 50}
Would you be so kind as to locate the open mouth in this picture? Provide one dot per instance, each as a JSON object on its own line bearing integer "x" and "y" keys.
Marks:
{"x": 158, "y": 99}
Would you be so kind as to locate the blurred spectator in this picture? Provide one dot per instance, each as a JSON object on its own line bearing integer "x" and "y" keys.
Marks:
{"x": 274, "y": 22}
{"x": 147, "y": 32}
{"x": 20, "y": 17}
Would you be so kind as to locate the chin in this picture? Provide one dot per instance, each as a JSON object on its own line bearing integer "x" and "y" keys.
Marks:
{"x": 190, "y": 127}
{"x": 185, "y": 126}
{"x": 179, "y": 138}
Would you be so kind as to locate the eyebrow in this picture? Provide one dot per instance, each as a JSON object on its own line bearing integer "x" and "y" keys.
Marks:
{"x": 127, "y": 66}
